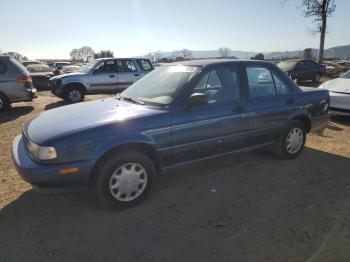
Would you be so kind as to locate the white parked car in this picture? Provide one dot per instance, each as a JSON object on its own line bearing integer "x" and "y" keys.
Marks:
{"x": 339, "y": 91}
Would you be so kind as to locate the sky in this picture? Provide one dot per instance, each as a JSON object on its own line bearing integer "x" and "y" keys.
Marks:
{"x": 51, "y": 29}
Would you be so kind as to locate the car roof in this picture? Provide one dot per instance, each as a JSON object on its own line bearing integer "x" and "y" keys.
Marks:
{"x": 121, "y": 58}
{"x": 207, "y": 62}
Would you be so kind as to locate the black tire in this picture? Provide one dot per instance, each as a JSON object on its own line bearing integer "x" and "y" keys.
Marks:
{"x": 317, "y": 78}
{"x": 102, "y": 178}
{"x": 4, "y": 103}
{"x": 285, "y": 151}
{"x": 74, "y": 94}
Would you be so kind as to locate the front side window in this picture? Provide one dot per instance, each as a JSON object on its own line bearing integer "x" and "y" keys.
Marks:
{"x": 145, "y": 65}
{"x": 126, "y": 66}
{"x": 281, "y": 87}
{"x": 106, "y": 67}
{"x": 220, "y": 84}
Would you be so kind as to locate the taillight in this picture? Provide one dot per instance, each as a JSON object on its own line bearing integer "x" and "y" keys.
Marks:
{"x": 23, "y": 79}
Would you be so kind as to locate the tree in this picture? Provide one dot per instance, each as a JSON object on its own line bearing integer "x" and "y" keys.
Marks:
{"x": 259, "y": 56}
{"x": 158, "y": 55}
{"x": 224, "y": 51}
{"x": 308, "y": 53}
{"x": 84, "y": 53}
{"x": 320, "y": 10}
{"x": 186, "y": 53}
{"x": 104, "y": 53}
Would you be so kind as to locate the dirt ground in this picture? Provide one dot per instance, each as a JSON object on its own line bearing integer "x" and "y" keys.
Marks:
{"x": 251, "y": 207}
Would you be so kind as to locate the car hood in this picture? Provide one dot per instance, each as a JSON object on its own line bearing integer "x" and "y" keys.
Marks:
{"x": 341, "y": 85}
{"x": 66, "y": 75}
{"x": 41, "y": 74}
{"x": 69, "y": 119}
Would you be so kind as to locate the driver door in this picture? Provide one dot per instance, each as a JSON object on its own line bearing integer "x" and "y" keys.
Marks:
{"x": 104, "y": 78}
{"x": 216, "y": 127}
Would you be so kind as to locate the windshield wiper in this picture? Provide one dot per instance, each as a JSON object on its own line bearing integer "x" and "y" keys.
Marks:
{"x": 130, "y": 99}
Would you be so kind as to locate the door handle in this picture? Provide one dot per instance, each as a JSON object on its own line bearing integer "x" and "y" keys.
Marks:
{"x": 111, "y": 76}
{"x": 238, "y": 109}
{"x": 137, "y": 74}
{"x": 290, "y": 101}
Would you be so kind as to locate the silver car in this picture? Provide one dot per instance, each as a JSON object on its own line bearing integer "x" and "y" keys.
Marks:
{"x": 15, "y": 83}
{"x": 100, "y": 76}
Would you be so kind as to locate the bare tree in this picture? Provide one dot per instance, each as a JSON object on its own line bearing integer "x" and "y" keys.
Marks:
{"x": 320, "y": 10}
{"x": 84, "y": 53}
{"x": 158, "y": 55}
{"x": 104, "y": 53}
{"x": 186, "y": 53}
{"x": 224, "y": 51}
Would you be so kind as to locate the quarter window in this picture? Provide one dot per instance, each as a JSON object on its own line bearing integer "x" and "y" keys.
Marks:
{"x": 220, "y": 84}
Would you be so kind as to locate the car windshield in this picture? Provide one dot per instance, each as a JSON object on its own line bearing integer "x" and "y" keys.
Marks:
{"x": 287, "y": 65}
{"x": 38, "y": 68}
{"x": 160, "y": 86}
{"x": 86, "y": 68}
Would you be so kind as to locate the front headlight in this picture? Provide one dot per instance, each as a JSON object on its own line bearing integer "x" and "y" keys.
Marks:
{"x": 41, "y": 152}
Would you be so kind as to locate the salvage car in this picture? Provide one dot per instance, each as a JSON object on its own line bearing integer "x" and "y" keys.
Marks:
{"x": 40, "y": 74}
{"x": 175, "y": 115}
{"x": 100, "y": 76}
{"x": 339, "y": 91}
{"x": 30, "y": 62}
{"x": 334, "y": 69}
{"x": 303, "y": 69}
{"x": 15, "y": 83}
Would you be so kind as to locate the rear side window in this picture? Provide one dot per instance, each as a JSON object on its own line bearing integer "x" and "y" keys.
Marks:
{"x": 262, "y": 82}
{"x": 145, "y": 65}
{"x": 126, "y": 66}
{"x": 3, "y": 68}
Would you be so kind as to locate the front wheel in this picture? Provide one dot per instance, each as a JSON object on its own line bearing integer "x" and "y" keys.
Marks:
{"x": 75, "y": 95}
{"x": 122, "y": 179}
{"x": 292, "y": 141}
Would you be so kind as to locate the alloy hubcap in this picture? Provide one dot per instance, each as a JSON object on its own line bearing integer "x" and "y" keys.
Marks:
{"x": 74, "y": 95}
{"x": 128, "y": 182}
{"x": 294, "y": 140}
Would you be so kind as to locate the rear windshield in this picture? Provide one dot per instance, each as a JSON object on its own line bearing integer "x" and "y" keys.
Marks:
{"x": 19, "y": 66}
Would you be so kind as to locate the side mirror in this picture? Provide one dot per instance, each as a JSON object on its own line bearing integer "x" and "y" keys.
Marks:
{"x": 198, "y": 99}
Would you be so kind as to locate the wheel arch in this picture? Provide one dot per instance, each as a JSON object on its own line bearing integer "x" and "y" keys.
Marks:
{"x": 75, "y": 84}
{"x": 305, "y": 120}
{"x": 142, "y": 147}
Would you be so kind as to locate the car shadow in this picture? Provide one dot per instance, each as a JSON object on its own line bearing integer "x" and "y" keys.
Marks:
{"x": 55, "y": 105}
{"x": 245, "y": 207}
{"x": 14, "y": 112}
{"x": 343, "y": 120}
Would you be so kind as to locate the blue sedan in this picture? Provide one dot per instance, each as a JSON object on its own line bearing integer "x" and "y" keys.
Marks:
{"x": 177, "y": 114}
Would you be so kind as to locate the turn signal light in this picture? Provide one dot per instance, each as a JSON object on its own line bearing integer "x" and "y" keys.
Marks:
{"x": 68, "y": 170}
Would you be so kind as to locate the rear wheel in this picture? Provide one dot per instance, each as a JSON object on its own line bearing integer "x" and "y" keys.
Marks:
{"x": 292, "y": 141}
{"x": 4, "y": 103}
{"x": 122, "y": 179}
{"x": 75, "y": 95}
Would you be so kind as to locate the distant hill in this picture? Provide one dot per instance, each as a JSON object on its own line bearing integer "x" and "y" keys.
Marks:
{"x": 341, "y": 52}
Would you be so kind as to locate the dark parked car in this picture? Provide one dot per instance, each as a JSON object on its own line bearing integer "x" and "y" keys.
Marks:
{"x": 303, "y": 70}
{"x": 15, "y": 83}
{"x": 175, "y": 115}
{"x": 40, "y": 74}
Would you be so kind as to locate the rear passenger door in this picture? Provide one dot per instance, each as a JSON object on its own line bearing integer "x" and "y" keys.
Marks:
{"x": 127, "y": 73}
{"x": 269, "y": 104}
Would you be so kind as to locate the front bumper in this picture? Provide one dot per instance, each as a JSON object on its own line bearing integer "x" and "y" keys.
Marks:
{"x": 340, "y": 103}
{"x": 47, "y": 175}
